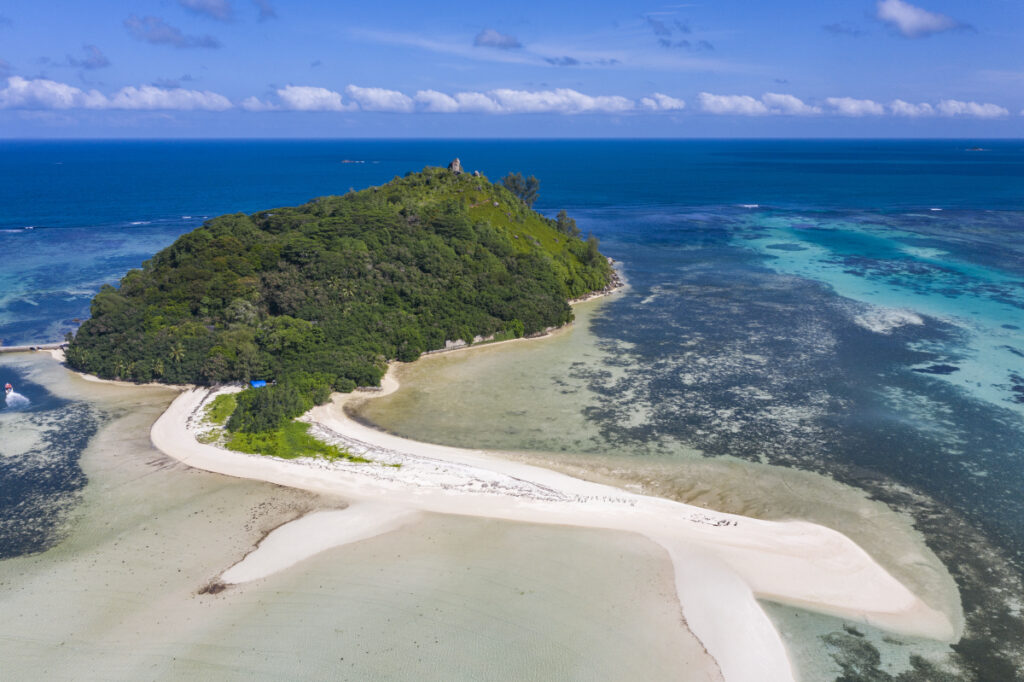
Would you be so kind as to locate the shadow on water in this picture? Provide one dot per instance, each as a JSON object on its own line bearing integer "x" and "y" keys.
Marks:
{"x": 42, "y": 437}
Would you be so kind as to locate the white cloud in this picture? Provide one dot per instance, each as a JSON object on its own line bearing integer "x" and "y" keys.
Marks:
{"x": 256, "y": 104}
{"x": 660, "y": 102}
{"x": 559, "y": 101}
{"x": 436, "y": 102}
{"x": 731, "y": 104}
{"x": 43, "y": 94}
{"x": 952, "y": 107}
{"x": 309, "y": 98}
{"x": 913, "y": 21}
{"x": 745, "y": 105}
{"x": 477, "y": 102}
{"x": 379, "y": 99}
{"x": 150, "y": 97}
{"x": 40, "y": 93}
{"x": 848, "y": 106}
{"x": 788, "y": 104}
{"x": 900, "y": 108}
{"x": 506, "y": 101}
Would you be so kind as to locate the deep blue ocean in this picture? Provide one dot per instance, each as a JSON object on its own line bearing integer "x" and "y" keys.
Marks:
{"x": 858, "y": 306}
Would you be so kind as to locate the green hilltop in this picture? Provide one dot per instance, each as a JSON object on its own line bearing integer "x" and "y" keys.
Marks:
{"x": 320, "y": 297}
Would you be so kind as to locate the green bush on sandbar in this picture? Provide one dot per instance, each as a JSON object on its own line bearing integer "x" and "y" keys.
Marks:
{"x": 288, "y": 442}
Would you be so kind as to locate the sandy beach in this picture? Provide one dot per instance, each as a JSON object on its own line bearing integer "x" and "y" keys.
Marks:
{"x": 723, "y": 563}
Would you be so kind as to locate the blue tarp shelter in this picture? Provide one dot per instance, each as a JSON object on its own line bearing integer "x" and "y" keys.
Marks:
{"x": 258, "y": 383}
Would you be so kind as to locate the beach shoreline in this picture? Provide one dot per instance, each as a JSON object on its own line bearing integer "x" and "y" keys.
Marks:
{"x": 723, "y": 562}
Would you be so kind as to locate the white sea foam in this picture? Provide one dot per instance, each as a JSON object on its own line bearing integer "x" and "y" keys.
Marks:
{"x": 750, "y": 205}
{"x": 885, "y": 320}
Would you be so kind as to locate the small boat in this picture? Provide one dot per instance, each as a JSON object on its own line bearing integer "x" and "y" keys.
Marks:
{"x": 8, "y": 389}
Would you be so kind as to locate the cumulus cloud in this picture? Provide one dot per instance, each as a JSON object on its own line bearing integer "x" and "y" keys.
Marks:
{"x": 559, "y": 101}
{"x": 491, "y": 38}
{"x": 379, "y": 99}
{"x": 901, "y": 108}
{"x": 788, "y": 104}
{"x": 506, "y": 101}
{"x": 952, "y": 107}
{"x": 256, "y": 104}
{"x": 477, "y": 102}
{"x": 150, "y": 97}
{"x": 913, "y": 21}
{"x": 436, "y": 102}
{"x": 93, "y": 59}
{"x": 745, "y": 105}
{"x": 309, "y": 98}
{"x": 731, "y": 104}
{"x": 661, "y": 102}
{"x": 848, "y": 106}
{"x": 40, "y": 93}
{"x": 156, "y": 31}
{"x": 220, "y": 10}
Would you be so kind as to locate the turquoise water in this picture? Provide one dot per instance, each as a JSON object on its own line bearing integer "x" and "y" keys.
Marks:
{"x": 797, "y": 303}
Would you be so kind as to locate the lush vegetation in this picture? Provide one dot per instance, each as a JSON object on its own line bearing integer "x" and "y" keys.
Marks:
{"x": 289, "y": 440}
{"x": 221, "y": 408}
{"x": 320, "y": 297}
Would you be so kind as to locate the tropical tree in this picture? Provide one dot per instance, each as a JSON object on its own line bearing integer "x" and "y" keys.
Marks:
{"x": 526, "y": 189}
{"x": 177, "y": 353}
{"x": 566, "y": 225}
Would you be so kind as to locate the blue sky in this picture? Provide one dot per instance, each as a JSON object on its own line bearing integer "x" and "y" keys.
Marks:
{"x": 718, "y": 68}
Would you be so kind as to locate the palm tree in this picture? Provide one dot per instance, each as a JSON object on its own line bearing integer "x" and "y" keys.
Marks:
{"x": 177, "y": 353}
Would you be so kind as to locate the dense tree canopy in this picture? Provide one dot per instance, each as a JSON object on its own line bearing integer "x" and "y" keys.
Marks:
{"x": 321, "y": 296}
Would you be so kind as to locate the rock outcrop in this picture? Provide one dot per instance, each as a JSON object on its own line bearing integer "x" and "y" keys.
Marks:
{"x": 455, "y": 167}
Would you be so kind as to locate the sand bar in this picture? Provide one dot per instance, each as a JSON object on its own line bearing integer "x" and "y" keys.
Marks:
{"x": 723, "y": 562}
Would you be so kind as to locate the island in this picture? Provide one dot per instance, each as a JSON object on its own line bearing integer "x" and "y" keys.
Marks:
{"x": 320, "y": 297}
{"x": 316, "y": 305}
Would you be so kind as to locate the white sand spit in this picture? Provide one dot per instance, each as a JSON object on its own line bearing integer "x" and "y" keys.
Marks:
{"x": 723, "y": 561}
{"x": 314, "y": 533}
